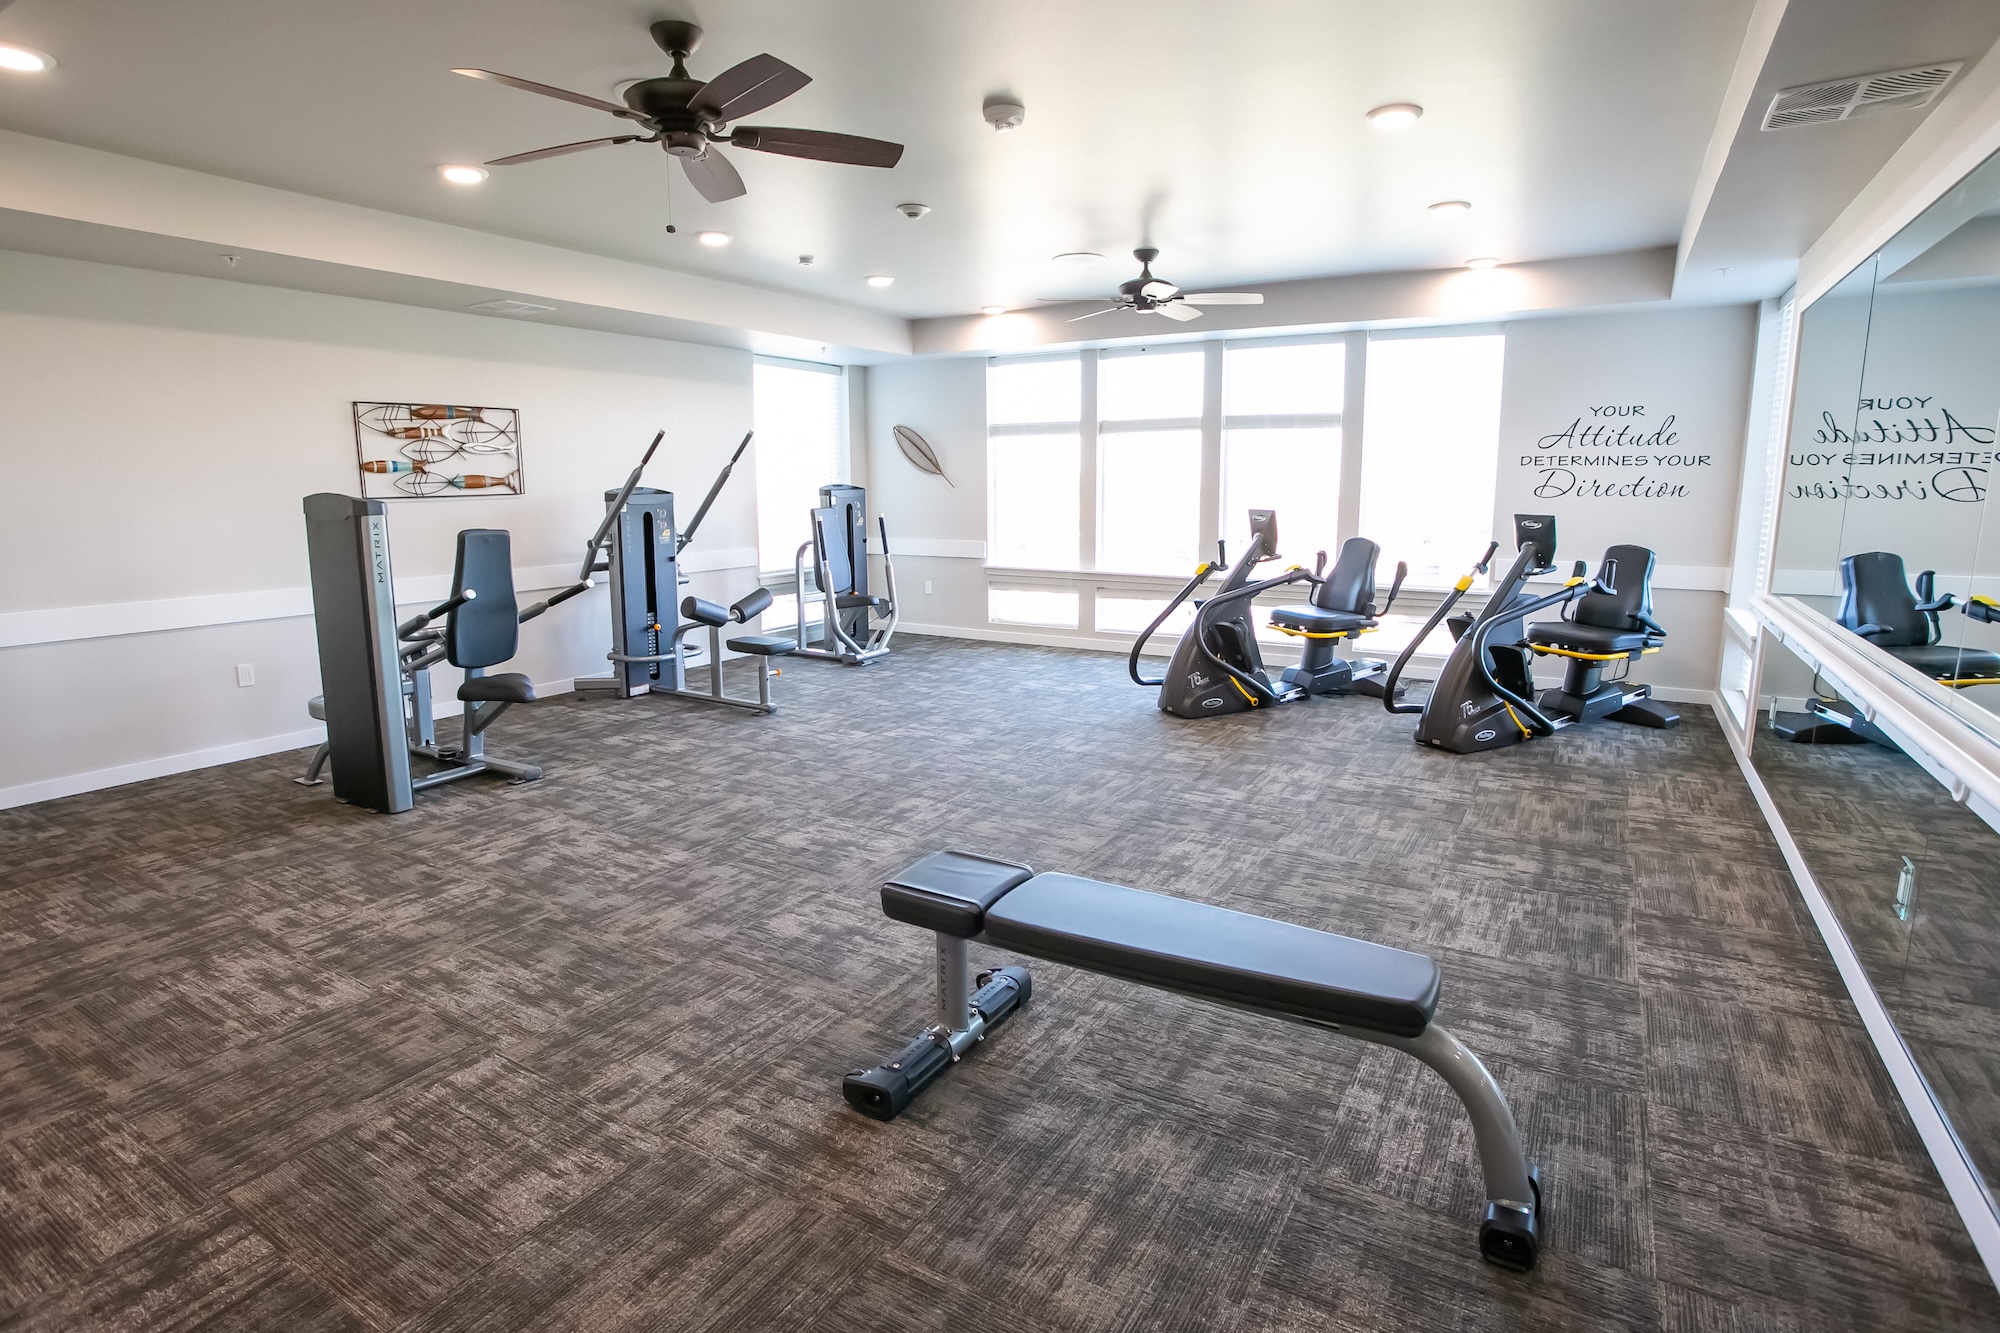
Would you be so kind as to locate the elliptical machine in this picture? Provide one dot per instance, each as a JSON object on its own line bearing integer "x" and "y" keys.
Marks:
{"x": 1484, "y": 698}
{"x": 1217, "y": 668}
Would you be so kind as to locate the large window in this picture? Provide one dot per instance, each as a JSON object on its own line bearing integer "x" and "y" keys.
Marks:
{"x": 1281, "y": 443}
{"x": 1034, "y": 460}
{"x": 796, "y": 408}
{"x": 1149, "y": 461}
{"x": 1431, "y": 451}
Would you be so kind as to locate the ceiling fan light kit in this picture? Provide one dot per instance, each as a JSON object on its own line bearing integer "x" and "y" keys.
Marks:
{"x": 688, "y": 117}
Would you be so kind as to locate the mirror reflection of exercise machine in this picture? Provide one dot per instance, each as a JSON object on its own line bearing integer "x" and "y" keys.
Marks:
{"x": 847, "y": 630}
{"x": 375, "y": 672}
{"x": 1217, "y": 667}
{"x": 637, "y": 547}
{"x": 1876, "y": 602}
{"x": 1484, "y": 697}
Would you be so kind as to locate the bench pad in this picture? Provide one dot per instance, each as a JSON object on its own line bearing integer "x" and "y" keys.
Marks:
{"x": 1215, "y": 953}
{"x": 950, "y": 891}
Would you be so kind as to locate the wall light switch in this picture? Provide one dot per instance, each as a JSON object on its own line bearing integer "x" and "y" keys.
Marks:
{"x": 246, "y": 674}
{"x": 927, "y": 588}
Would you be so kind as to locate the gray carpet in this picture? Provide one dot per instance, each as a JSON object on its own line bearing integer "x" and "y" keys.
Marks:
{"x": 567, "y": 1055}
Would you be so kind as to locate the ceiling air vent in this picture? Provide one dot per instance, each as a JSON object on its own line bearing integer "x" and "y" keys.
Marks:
{"x": 1862, "y": 95}
{"x": 511, "y": 308}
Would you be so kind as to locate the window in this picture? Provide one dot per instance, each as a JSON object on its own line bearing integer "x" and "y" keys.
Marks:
{"x": 796, "y": 408}
{"x": 1430, "y": 451}
{"x": 1032, "y": 606}
{"x": 1149, "y": 461}
{"x": 1281, "y": 443}
{"x": 1034, "y": 459}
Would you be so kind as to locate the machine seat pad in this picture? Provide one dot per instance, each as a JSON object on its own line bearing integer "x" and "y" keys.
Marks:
{"x": 950, "y": 891}
{"x": 763, "y": 645}
{"x": 1589, "y": 638}
{"x": 854, "y": 601}
{"x": 506, "y": 687}
{"x": 1941, "y": 661}
{"x": 1313, "y": 620}
{"x": 1217, "y": 954}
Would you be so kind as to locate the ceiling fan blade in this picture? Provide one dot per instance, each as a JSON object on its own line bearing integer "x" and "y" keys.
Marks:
{"x": 530, "y": 86}
{"x": 743, "y": 89}
{"x": 820, "y": 145}
{"x": 1178, "y": 311}
{"x": 560, "y": 149}
{"x": 714, "y": 177}
{"x": 1224, "y": 298}
{"x": 1095, "y": 313}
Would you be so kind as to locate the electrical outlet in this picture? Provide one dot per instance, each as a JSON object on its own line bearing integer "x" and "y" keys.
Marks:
{"x": 246, "y": 674}
{"x": 928, "y": 590}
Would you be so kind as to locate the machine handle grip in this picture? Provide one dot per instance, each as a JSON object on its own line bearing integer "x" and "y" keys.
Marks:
{"x": 1486, "y": 559}
{"x": 444, "y": 608}
{"x": 583, "y": 586}
{"x": 1402, "y": 572}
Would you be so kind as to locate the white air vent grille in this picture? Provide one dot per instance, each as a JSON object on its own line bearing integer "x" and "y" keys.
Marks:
{"x": 1862, "y": 95}
{"x": 511, "y": 308}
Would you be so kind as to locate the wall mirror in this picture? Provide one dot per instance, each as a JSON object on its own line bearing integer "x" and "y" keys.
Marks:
{"x": 1883, "y": 519}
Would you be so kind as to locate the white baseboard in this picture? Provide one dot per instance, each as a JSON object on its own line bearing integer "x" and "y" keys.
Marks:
{"x": 73, "y": 784}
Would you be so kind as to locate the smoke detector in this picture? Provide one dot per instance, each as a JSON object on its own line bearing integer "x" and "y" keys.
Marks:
{"x": 1861, "y": 95}
{"x": 1004, "y": 112}
{"x": 913, "y": 211}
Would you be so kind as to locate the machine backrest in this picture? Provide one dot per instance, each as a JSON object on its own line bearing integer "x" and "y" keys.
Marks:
{"x": 830, "y": 545}
{"x": 1350, "y": 585}
{"x": 1874, "y": 590}
{"x": 1623, "y": 609}
{"x": 485, "y": 631}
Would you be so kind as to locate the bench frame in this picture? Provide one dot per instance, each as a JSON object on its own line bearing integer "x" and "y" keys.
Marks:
{"x": 970, "y": 1007}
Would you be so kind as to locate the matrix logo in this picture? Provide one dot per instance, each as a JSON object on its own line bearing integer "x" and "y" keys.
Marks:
{"x": 1212, "y": 703}
{"x": 1486, "y": 735}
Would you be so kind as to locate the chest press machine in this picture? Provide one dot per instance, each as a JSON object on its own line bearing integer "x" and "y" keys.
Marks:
{"x": 1366, "y": 991}
{"x": 847, "y": 632}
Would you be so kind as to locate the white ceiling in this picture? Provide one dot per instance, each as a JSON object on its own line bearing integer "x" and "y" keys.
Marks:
{"x": 1228, "y": 135}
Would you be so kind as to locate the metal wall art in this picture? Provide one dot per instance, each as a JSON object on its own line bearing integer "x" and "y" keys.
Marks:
{"x": 425, "y": 449}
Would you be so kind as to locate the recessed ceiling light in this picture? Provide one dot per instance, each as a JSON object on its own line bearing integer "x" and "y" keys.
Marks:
{"x": 879, "y": 280}
{"x": 1079, "y": 257}
{"x": 1451, "y": 208}
{"x": 993, "y": 310}
{"x": 715, "y": 240}
{"x": 1395, "y": 116}
{"x": 461, "y": 175}
{"x": 1484, "y": 261}
{"x": 25, "y": 59}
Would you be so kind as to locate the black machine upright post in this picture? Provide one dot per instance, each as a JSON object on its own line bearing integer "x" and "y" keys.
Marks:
{"x": 347, "y": 546}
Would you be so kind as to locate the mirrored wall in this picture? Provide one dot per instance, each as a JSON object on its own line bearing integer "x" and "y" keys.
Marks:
{"x": 1886, "y": 551}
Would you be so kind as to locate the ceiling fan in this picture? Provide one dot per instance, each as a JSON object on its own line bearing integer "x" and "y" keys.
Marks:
{"x": 688, "y": 117}
{"x": 1148, "y": 294}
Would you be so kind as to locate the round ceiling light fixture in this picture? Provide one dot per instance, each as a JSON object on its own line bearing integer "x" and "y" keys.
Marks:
{"x": 1451, "y": 208}
{"x": 993, "y": 310}
{"x": 1078, "y": 257}
{"x": 463, "y": 175}
{"x": 25, "y": 59}
{"x": 1395, "y": 116}
{"x": 880, "y": 280}
{"x": 1483, "y": 261}
{"x": 714, "y": 240}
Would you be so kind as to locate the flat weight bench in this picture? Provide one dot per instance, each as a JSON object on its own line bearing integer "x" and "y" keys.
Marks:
{"x": 1367, "y": 991}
